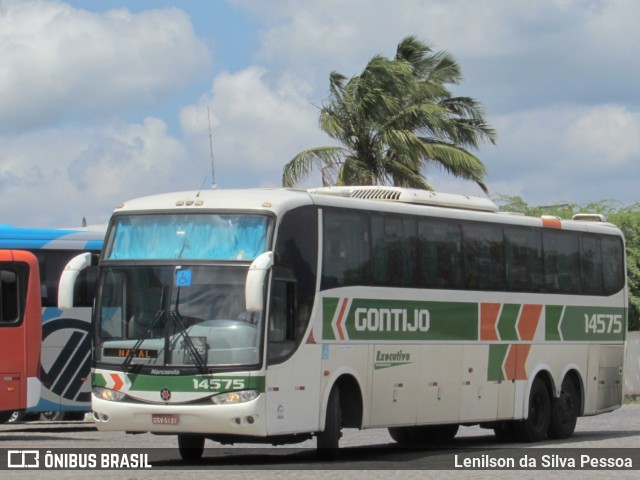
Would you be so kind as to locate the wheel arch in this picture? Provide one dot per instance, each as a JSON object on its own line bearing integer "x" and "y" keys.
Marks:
{"x": 351, "y": 399}
{"x": 544, "y": 374}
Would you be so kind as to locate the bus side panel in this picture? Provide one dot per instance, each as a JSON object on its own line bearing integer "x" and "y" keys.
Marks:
{"x": 20, "y": 344}
{"x": 440, "y": 384}
{"x": 395, "y": 384}
{"x": 604, "y": 387}
{"x": 479, "y": 396}
{"x": 293, "y": 393}
{"x": 66, "y": 356}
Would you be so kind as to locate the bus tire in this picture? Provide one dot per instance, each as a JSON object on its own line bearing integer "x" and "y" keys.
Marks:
{"x": 5, "y": 416}
{"x": 424, "y": 433}
{"x": 400, "y": 434}
{"x": 191, "y": 447}
{"x": 535, "y": 427}
{"x": 52, "y": 416}
{"x": 503, "y": 431}
{"x": 328, "y": 440}
{"x": 565, "y": 410}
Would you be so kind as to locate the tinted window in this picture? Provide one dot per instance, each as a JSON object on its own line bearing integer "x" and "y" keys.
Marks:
{"x": 523, "y": 257}
{"x": 439, "y": 254}
{"x": 483, "y": 257}
{"x": 561, "y": 261}
{"x": 293, "y": 281}
{"x": 346, "y": 249}
{"x": 9, "y": 296}
{"x": 394, "y": 243}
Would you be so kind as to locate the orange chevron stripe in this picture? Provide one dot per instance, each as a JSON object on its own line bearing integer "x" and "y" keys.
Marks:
{"x": 117, "y": 381}
{"x": 523, "y": 354}
{"x": 340, "y": 319}
{"x": 488, "y": 319}
{"x": 528, "y": 323}
{"x": 514, "y": 364}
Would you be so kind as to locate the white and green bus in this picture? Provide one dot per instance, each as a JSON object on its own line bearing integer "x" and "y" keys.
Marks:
{"x": 275, "y": 316}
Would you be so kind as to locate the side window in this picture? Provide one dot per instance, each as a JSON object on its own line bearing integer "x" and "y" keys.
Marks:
{"x": 561, "y": 262}
{"x": 439, "y": 251}
{"x": 483, "y": 257}
{"x": 112, "y": 311}
{"x": 591, "y": 265}
{"x": 293, "y": 282}
{"x": 613, "y": 267}
{"x": 346, "y": 249}
{"x": 523, "y": 256}
{"x": 394, "y": 241}
{"x": 10, "y": 299}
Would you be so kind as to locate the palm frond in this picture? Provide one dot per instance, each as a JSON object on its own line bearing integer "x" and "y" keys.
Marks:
{"x": 300, "y": 166}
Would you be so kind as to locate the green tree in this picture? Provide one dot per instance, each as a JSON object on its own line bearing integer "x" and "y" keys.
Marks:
{"x": 393, "y": 121}
{"x": 626, "y": 218}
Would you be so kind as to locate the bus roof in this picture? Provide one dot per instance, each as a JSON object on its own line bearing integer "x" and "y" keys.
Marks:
{"x": 388, "y": 199}
{"x": 52, "y": 238}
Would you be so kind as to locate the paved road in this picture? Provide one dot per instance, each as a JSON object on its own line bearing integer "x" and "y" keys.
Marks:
{"x": 366, "y": 454}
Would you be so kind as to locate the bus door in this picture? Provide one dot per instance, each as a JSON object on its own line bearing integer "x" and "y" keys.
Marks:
{"x": 20, "y": 331}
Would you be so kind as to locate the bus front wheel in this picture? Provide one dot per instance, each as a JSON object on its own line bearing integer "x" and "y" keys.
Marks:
{"x": 329, "y": 439}
{"x": 191, "y": 447}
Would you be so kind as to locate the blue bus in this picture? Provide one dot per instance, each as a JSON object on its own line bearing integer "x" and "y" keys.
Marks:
{"x": 67, "y": 260}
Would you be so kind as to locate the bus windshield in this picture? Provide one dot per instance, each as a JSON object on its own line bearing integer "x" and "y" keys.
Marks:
{"x": 172, "y": 292}
{"x": 190, "y": 236}
{"x": 189, "y": 315}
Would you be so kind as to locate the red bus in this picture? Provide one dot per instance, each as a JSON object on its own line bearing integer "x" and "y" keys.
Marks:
{"x": 20, "y": 331}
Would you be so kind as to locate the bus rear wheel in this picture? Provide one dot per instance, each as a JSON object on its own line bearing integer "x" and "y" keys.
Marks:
{"x": 534, "y": 428}
{"x": 565, "y": 410}
{"x": 191, "y": 447}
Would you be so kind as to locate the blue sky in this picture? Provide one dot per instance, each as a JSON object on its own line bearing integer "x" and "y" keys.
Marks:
{"x": 102, "y": 101}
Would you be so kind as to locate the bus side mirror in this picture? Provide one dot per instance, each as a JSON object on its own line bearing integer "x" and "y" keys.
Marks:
{"x": 69, "y": 277}
{"x": 254, "y": 287}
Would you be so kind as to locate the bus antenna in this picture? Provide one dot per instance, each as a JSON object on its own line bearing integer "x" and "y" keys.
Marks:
{"x": 214, "y": 185}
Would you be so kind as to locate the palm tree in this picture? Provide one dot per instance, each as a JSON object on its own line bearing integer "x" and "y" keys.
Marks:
{"x": 393, "y": 121}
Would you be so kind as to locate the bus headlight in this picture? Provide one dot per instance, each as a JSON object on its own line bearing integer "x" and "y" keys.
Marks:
{"x": 233, "y": 398}
{"x": 108, "y": 394}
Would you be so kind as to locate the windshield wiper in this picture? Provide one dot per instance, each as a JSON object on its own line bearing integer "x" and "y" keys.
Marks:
{"x": 195, "y": 354}
{"x": 182, "y": 328}
{"x": 133, "y": 352}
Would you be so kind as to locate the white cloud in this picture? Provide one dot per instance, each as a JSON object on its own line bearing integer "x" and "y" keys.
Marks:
{"x": 59, "y": 176}
{"x": 608, "y": 134}
{"x": 566, "y": 153}
{"x": 514, "y": 54}
{"x": 61, "y": 63}
{"x": 256, "y": 127}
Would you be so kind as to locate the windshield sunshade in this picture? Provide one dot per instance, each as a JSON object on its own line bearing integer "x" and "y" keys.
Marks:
{"x": 198, "y": 236}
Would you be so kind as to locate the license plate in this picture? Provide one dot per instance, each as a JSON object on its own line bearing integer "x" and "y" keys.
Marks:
{"x": 164, "y": 419}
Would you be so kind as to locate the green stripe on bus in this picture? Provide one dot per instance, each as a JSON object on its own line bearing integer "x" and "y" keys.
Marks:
{"x": 397, "y": 320}
{"x": 508, "y": 321}
{"x": 329, "y": 307}
{"x": 553, "y": 314}
{"x": 497, "y": 354}
{"x": 196, "y": 383}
